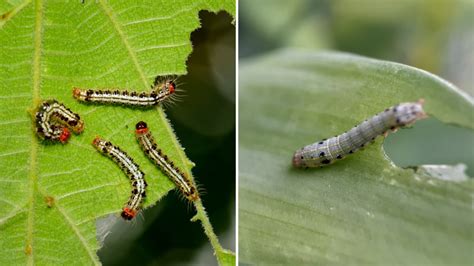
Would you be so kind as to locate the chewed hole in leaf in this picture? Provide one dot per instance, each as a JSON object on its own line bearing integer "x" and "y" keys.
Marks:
{"x": 430, "y": 141}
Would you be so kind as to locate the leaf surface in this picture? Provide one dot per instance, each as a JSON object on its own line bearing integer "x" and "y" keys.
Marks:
{"x": 362, "y": 210}
{"x": 52, "y": 194}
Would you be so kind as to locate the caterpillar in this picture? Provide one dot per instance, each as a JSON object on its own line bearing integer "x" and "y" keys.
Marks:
{"x": 53, "y": 121}
{"x": 161, "y": 90}
{"x": 328, "y": 151}
{"x": 131, "y": 169}
{"x": 149, "y": 146}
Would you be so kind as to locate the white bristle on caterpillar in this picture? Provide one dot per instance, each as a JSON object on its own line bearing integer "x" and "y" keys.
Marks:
{"x": 131, "y": 169}
{"x": 330, "y": 150}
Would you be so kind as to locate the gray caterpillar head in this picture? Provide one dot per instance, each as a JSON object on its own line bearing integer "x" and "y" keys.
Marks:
{"x": 305, "y": 157}
{"x": 408, "y": 113}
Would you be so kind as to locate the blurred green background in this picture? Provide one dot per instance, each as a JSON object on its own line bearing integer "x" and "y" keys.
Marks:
{"x": 204, "y": 122}
{"x": 434, "y": 35}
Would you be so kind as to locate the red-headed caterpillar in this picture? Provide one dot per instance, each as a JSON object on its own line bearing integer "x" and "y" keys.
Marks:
{"x": 131, "y": 169}
{"x": 328, "y": 151}
{"x": 149, "y": 146}
{"x": 161, "y": 90}
{"x": 54, "y": 120}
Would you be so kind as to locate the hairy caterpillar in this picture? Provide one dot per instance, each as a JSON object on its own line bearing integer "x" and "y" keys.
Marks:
{"x": 148, "y": 145}
{"x": 161, "y": 90}
{"x": 327, "y": 151}
{"x": 53, "y": 121}
{"x": 131, "y": 169}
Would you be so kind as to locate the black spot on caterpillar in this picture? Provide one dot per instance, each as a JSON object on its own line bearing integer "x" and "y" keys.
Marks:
{"x": 325, "y": 152}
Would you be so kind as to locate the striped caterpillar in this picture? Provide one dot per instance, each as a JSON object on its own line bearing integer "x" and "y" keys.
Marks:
{"x": 327, "y": 151}
{"x": 131, "y": 169}
{"x": 53, "y": 121}
{"x": 161, "y": 90}
{"x": 148, "y": 145}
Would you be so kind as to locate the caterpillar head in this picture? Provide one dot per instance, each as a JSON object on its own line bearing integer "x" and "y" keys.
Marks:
{"x": 65, "y": 134}
{"x": 298, "y": 159}
{"x": 141, "y": 128}
{"x": 76, "y": 93}
{"x": 128, "y": 213}
{"x": 304, "y": 157}
{"x": 408, "y": 113}
{"x": 101, "y": 144}
{"x": 166, "y": 87}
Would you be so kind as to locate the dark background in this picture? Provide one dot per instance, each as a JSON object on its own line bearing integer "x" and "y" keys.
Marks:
{"x": 204, "y": 122}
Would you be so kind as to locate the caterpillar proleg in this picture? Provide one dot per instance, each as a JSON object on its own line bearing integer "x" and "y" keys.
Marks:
{"x": 131, "y": 169}
{"x": 330, "y": 150}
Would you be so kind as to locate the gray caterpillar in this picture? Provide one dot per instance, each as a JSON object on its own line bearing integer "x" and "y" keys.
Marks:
{"x": 327, "y": 151}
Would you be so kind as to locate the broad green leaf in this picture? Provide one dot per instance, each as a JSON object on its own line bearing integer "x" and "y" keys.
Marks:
{"x": 51, "y": 195}
{"x": 362, "y": 210}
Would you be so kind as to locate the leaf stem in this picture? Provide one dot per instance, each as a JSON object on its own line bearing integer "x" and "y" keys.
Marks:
{"x": 201, "y": 215}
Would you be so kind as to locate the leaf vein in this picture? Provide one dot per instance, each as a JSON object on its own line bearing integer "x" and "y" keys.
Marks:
{"x": 14, "y": 122}
{"x": 86, "y": 190}
{"x": 83, "y": 241}
{"x": 9, "y": 15}
{"x": 161, "y": 46}
{"x": 161, "y": 18}
{"x": 109, "y": 12}
{"x": 13, "y": 153}
{"x": 12, "y": 214}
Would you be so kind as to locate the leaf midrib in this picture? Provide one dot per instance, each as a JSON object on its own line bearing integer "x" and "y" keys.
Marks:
{"x": 108, "y": 11}
{"x": 33, "y": 169}
{"x": 133, "y": 57}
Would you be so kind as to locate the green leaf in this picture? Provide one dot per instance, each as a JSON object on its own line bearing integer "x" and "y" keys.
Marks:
{"x": 226, "y": 257}
{"x": 362, "y": 210}
{"x": 51, "y": 195}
